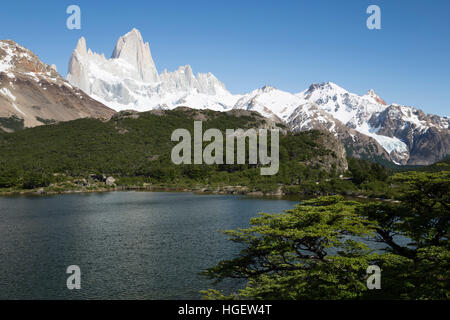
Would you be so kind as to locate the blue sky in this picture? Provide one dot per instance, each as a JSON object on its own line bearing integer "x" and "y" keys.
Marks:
{"x": 247, "y": 43}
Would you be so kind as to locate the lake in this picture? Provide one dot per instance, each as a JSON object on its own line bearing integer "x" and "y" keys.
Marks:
{"x": 129, "y": 245}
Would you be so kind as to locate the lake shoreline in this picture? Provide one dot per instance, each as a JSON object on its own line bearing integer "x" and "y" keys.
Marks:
{"x": 227, "y": 190}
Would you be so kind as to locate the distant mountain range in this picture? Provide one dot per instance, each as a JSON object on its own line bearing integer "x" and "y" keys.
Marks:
{"x": 368, "y": 127}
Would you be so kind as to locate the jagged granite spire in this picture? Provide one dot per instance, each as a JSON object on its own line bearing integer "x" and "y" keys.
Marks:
{"x": 76, "y": 74}
{"x": 131, "y": 48}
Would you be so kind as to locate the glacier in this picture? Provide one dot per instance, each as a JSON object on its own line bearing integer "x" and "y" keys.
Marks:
{"x": 129, "y": 80}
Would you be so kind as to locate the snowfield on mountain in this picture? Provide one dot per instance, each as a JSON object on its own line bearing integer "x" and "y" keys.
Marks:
{"x": 32, "y": 93}
{"x": 130, "y": 80}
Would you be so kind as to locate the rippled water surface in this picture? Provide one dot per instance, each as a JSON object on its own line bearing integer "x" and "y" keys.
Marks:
{"x": 129, "y": 245}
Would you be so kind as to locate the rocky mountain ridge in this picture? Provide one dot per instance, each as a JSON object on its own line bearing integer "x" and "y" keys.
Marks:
{"x": 32, "y": 93}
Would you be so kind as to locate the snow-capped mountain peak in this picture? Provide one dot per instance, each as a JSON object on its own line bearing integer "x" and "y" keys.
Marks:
{"x": 132, "y": 49}
{"x": 270, "y": 102}
{"x": 349, "y": 108}
{"x": 329, "y": 88}
{"x": 267, "y": 88}
{"x": 373, "y": 95}
{"x": 129, "y": 80}
{"x": 81, "y": 46}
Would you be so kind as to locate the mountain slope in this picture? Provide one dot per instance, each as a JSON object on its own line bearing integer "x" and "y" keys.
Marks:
{"x": 426, "y": 136}
{"x": 129, "y": 80}
{"x": 270, "y": 102}
{"x": 349, "y": 108}
{"x": 354, "y": 111}
{"x": 33, "y": 93}
{"x": 309, "y": 116}
{"x": 135, "y": 148}
{"x": 407, "y": 134}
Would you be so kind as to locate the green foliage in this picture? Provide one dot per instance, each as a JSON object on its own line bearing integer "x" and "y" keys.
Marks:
{"x": 8, "y": 178}
{"x": 286, "y": 256}
{"x": 33, "y": 180}
{"x": 365, "y": 172}
{"x": 422, "y": 214}
{"x": 46, "y": 121}
{"x": 316, "y": 250}
{"x": 370, "y": 177}
{"x": 13, "y": 123}
{"x": 136, "y": 149}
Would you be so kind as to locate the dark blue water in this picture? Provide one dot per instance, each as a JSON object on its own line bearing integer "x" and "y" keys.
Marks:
{"x": 129, "y": 245}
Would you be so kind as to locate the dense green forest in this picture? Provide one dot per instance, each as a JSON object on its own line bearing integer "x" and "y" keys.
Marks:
{"x": 135, "y": 149}
{"x": 322, "y": 249}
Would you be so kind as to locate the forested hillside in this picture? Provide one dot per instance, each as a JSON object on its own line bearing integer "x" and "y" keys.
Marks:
{"x": 134, "y": 149}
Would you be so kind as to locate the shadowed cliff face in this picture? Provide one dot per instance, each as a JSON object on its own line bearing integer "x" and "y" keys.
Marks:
{"x": 311, "y": 117}
{"x": 427, "y": 136}
{"x": 32, "y": 93}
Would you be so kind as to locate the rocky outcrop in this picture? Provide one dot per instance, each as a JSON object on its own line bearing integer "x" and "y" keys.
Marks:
{"x": 336, "y": 160}
{"x": 110, "y": 181}
{"x": 132, "y": 49}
